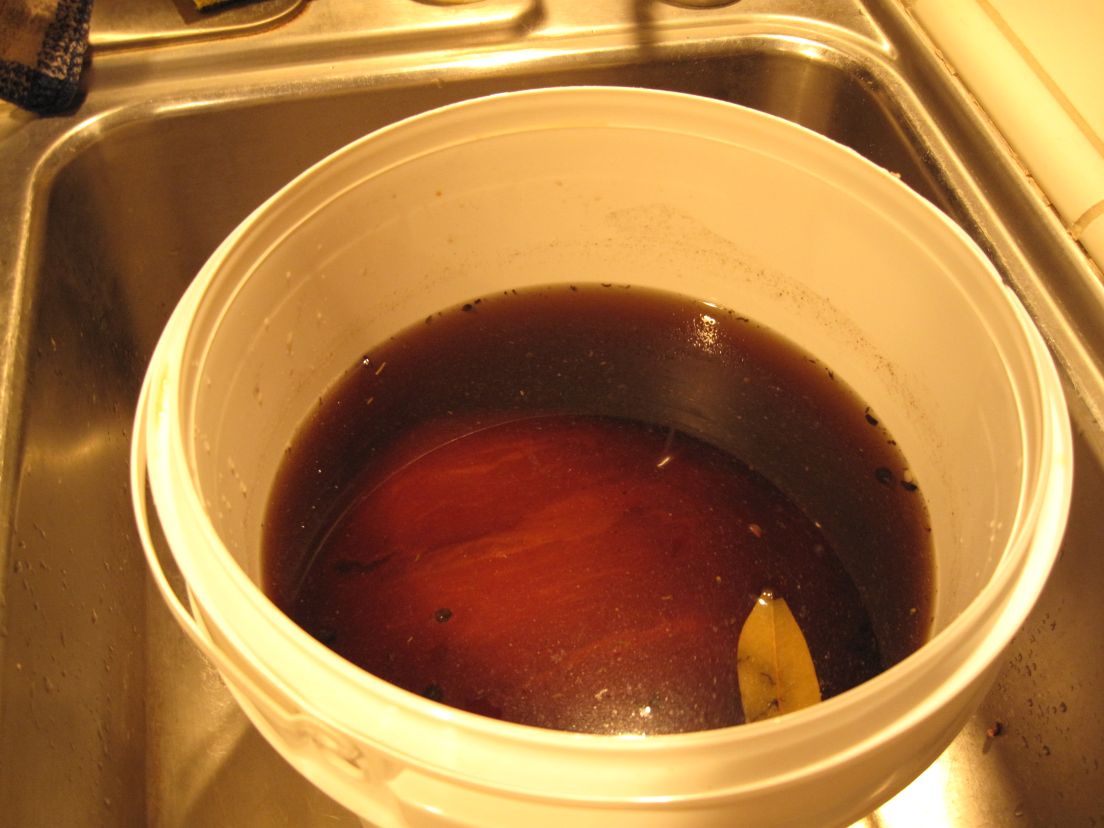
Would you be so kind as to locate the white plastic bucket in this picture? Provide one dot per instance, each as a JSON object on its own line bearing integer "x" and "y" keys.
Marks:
{"x": 656, "y": 189}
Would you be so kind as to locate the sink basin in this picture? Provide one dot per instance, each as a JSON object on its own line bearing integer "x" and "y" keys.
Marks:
{"x": 108, "y": 716}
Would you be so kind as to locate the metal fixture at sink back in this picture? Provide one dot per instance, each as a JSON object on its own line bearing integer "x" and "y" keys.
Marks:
{"x": 129, "y": 23}
{"x": 107, "y": 714}
{"x": 701, "y": 4}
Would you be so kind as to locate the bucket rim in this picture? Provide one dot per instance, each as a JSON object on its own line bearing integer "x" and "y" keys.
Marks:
{"x": 1013, "y": 587}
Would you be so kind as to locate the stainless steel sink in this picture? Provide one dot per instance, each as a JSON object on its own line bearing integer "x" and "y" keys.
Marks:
{"x": 107, "y": 714}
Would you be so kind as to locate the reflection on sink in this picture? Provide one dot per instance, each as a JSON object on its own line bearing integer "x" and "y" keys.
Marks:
{"x": 105, "y": 700}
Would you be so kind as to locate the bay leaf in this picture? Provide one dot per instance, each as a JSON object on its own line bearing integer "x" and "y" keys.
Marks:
{"x": 773, "y": 663}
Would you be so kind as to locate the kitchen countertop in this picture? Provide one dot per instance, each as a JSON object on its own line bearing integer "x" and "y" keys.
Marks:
{"x": 1036, "y": 69}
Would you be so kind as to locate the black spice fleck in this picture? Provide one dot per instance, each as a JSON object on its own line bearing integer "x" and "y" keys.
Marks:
{"x": 433, "y": 692}
{"x": 884, "y": 475}
{"x": 326, "y": 636}
{"x": 442, "y": 615}
{"x": 870, "y": 418}
{"x": 468, "y": 307}
{"x": 907, "y": 486}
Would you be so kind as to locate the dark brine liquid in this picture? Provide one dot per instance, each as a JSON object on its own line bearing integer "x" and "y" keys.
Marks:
{"x": 557, "y": 507}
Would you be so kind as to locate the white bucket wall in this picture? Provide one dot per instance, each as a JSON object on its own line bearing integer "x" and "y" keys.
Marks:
{"x": 650, "y": 189}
